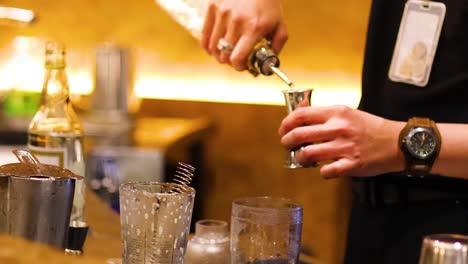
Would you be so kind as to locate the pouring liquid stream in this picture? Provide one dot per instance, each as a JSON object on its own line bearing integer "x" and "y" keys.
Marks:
{"x": 282, "y": 76}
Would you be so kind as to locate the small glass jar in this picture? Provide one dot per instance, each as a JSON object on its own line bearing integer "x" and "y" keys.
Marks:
{"x": 210, "y": 244}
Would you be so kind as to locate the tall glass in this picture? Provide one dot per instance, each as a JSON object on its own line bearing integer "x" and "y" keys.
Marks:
{"x": 265, "y": 230}
{"x": 295, "y": 98}
{"x": 155, "y": 221}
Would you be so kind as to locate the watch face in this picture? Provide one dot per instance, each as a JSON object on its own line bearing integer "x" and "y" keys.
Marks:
{"x": 421, "y": 142}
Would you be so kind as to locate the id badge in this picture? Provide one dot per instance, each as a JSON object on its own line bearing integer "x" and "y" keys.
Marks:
{"x": 417, "y": 41}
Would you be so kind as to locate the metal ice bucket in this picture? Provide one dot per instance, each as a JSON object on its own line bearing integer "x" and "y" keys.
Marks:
{"x": 36, "y": 200}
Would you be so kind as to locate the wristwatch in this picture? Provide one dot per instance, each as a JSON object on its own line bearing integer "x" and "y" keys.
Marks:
{"x": 420, "y": 142}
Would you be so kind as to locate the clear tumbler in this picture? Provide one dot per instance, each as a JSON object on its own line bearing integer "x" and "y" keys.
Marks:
{"x": 265, "y": 230}
{"x": 155, "y": 221}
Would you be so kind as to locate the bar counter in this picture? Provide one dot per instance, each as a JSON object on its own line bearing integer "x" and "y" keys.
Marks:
{"x": 103, "y": 241}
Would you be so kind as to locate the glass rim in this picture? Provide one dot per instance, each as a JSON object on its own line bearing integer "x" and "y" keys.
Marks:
{"x": 446, "y": 238}
{"x": 39, "y": 178}
{"x": 211, "y": 226}
{"x": 247, "y": 202}
{"x": 296, "y": 90}
{"x": 211, "y": 222}
{"x": 131, "y": 186}
{"x": 446, "y": 242}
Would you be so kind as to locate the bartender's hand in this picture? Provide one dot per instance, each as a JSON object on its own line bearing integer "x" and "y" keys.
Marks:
{"x": 356, "y": 143}
{"x": 243, "y": 23}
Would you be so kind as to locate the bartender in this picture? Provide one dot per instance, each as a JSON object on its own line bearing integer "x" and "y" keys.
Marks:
{"x": 406, "y": 147}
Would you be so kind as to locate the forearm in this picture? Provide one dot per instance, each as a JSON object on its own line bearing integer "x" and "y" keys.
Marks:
{"x": 362, "y": 144}
{"x": 453, "y": 156}
{"x": 451, "y": 162}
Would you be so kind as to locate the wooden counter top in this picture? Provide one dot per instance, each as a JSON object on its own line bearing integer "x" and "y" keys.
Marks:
{"x": 103, "y": 241}
{"x": 164, "y": 133}
{"x": 160, "y": 133}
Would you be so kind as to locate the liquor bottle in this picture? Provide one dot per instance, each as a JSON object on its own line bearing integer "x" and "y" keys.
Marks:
{"x": 55, "y": 134}
{"x": 191, "y": 14}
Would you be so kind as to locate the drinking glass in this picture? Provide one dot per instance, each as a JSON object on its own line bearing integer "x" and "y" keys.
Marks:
{"x": 155, "y": 221}
{"x": 265, "y": 230}
{"x": 295, "y": 98}
{"x": 444, "y": 249}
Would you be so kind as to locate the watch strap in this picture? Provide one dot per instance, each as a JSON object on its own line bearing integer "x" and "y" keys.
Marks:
{"x": 414, "y": 166}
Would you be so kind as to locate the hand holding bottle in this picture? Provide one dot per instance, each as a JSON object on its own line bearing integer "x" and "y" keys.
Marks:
{"x": 243, "y": 24}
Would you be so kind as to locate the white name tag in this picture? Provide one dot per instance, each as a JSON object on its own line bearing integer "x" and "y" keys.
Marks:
{"x": 417, "y": 41}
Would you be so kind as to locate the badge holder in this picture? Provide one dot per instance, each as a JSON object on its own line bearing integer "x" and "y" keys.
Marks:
{"x": 417, "y": 41}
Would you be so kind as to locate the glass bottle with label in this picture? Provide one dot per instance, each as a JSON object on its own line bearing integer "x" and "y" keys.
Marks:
{"x": 55, "y": 135}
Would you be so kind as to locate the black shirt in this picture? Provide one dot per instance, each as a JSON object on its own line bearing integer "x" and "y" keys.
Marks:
{"x": 388, "y": 220}
{"x": 445, "y": 98}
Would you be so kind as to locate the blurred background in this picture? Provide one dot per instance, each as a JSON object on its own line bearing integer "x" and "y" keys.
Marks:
{"x": 145, "y": 89}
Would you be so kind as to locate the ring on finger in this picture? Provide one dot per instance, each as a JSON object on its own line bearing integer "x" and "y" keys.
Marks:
{"x": 224, "y": 46}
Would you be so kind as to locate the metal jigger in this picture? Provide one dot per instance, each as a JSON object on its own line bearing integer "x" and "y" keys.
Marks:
{"x": 295, "y": 98}
{"x": 444, "y": 249}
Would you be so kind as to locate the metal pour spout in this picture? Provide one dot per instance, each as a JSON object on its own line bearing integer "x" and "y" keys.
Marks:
{"x": 282, "y": 76}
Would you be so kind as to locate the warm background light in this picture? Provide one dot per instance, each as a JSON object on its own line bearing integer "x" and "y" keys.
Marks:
{"x": 16, "y": 14}
{"x": 212, "y": 82}
{"x": 22, "y": 67}
{"x": 249, "y": 91}
{"x": 23, "y": 70}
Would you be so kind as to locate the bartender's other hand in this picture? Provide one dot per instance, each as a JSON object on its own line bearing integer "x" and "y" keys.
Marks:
{"x": 243, "y": 23}
{"x": 355, "y": 142}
